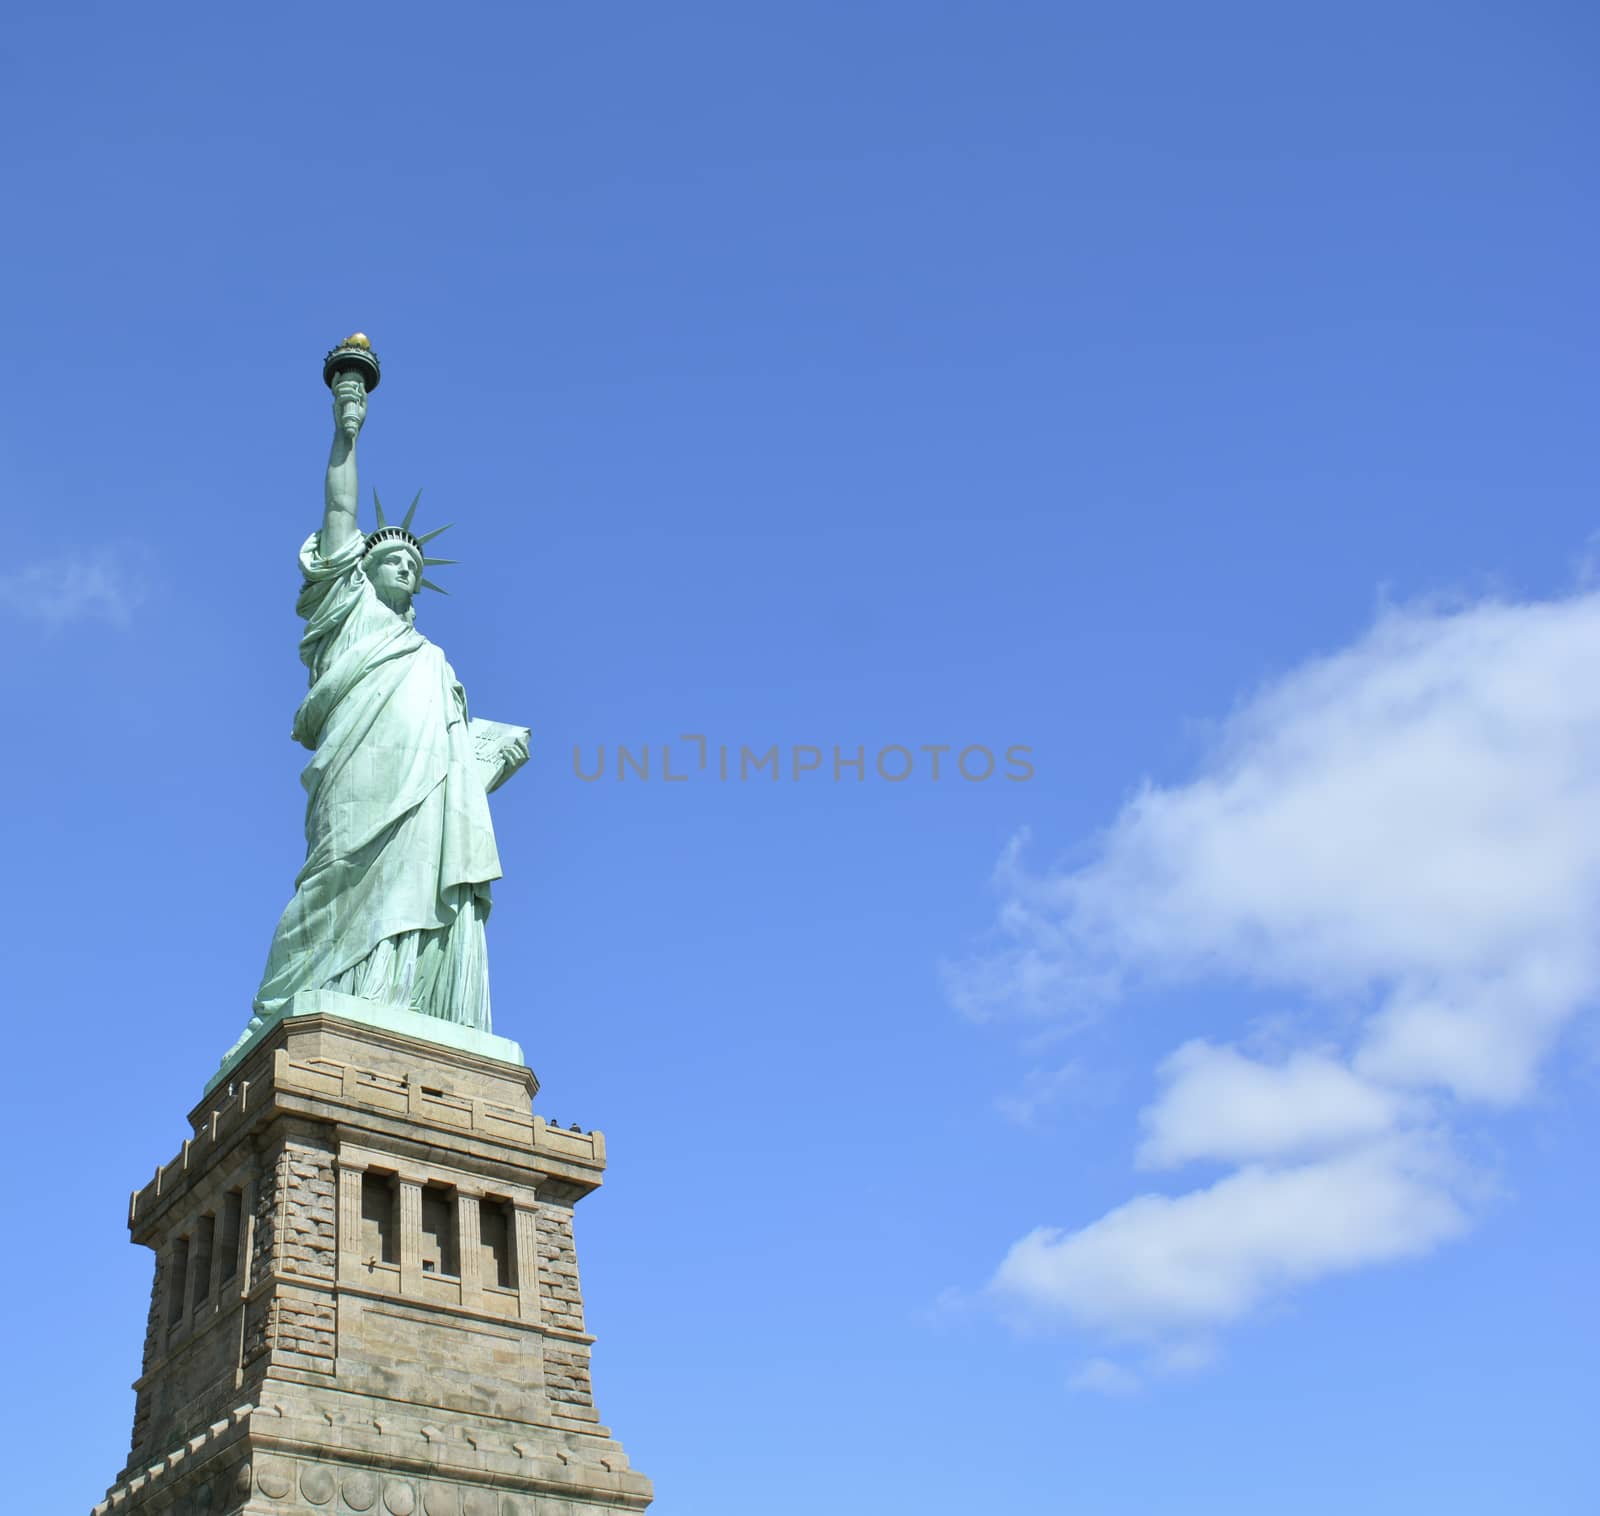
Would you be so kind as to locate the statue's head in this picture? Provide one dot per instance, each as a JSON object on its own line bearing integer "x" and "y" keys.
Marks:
{"x": 394, "y": 560}
{"x": 394, "y": 570}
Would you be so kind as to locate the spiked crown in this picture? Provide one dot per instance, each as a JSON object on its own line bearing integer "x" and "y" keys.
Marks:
{"x": 387, "y": 533}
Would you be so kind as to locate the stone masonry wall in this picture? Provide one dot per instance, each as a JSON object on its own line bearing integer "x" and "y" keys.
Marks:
{"x": 566, "y": 1375}
{"x": 308, "y": 1240}
{"x": 156, "y": 1321}
{"x": 294, "y": 1235}
{"x": 561, "y": 1301}
{"x": 154, "y": 1332}
{"x": 264, "y": 1224}
{"x": 301, "y": 1329}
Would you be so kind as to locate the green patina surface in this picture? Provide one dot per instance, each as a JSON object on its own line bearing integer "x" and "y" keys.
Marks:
{"x": 389, "y": 1018}
{"x": 390, "y": 906}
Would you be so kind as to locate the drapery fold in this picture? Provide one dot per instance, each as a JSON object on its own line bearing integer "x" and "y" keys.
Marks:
{"x": 400, "y": 849}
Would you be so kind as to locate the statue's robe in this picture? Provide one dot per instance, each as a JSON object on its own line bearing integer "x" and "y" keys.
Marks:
{"x": 400, "y": 850}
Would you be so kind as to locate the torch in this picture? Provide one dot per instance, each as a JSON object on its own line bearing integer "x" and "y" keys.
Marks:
{"x": 352, "y": 362}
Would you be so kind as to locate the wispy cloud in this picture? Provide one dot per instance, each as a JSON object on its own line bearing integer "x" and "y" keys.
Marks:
{"x": 106, "y": 584}
{"x": 1101, "y": 1376}
{"x": 1042, "y": 1089}
{"x": 1410, "y": 827}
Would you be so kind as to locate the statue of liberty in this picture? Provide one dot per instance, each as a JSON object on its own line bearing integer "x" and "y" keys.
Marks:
{"x": 400, "y": 852}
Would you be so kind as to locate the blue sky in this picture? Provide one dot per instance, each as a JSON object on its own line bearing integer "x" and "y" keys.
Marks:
{"x": 1200, "y": 396}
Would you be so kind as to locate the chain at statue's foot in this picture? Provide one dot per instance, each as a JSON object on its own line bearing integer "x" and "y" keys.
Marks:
{"x": 366, "y": 1293}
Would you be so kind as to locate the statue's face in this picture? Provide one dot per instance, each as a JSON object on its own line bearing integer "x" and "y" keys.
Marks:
{"x": 393, "y": 573}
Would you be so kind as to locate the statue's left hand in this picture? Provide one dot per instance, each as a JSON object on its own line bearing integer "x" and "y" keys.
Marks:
{"x": 512, "y": 756}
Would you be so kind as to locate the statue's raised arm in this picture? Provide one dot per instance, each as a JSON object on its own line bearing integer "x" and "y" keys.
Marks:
{"x": 349, "y": 381}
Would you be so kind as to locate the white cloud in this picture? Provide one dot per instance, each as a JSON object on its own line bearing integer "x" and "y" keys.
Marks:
{"x": 1103, "y": 1377}
{"x": 1417, "y": 818}
{"x": 1159, "y": 1266}
{"x": 1218, "y": 1104}
{"x": 106, "y": 584}
{"x": 1408, "y": 831}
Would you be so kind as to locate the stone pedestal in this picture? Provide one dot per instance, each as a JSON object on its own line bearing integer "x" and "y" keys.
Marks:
{"x": 366, "y": 1292}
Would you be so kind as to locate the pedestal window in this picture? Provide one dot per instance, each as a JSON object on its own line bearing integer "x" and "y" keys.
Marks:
{"x": 380, "y": 1220}
{"x": 439, "y": 1252}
